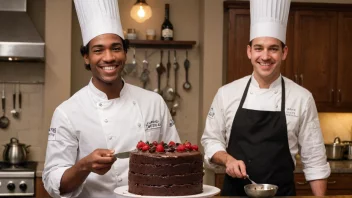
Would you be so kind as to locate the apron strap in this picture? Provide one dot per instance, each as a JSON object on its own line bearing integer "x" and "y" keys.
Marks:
{"x": 245, "y": 93}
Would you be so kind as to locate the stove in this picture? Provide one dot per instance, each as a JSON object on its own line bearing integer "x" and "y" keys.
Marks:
{"x": 17, "y": 180}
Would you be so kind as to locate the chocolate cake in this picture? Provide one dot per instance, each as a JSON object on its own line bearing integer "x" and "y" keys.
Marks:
{"x": 158, "y": 169}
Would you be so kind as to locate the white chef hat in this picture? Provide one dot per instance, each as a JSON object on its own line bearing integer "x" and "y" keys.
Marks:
{"x": 269, "y": 18}
{"x": 98, "y": 17}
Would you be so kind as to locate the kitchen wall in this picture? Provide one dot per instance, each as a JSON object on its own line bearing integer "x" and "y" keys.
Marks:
{"x": 28, "y": 128}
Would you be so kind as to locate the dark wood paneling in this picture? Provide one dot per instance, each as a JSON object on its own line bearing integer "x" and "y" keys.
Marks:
{"x": 344, "y": 77}
{"x": 315, "y": 53}
{"x": 238, "y": 65}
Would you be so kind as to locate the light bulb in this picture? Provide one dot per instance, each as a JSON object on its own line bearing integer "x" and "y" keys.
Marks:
{"x": 141, "y": 11}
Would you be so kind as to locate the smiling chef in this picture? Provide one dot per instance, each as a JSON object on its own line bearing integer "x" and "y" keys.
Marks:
{"x": 106, "y": 116}
{"x": 257, "y": 124}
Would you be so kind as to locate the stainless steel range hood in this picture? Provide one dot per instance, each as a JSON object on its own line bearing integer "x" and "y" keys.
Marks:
{"x": 19, "y": 39}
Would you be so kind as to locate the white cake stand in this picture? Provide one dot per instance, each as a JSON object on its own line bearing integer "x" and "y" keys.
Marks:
{"x": 208, "y": 191}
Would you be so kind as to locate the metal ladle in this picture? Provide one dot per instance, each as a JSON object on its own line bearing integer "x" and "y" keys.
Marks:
{"x": 160, "y": 69}
{"x": 4, "y": 121}
{"x": 14, "y": 113}
{"x": 145, "y": 74}
{"x": 168, "y": 92}
{"x": 187, "y": 64}
{"x": 130, "y": 67}
{"x": 175, "y": 105}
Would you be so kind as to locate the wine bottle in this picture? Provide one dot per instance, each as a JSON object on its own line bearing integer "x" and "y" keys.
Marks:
{"x": 167, "y": 30}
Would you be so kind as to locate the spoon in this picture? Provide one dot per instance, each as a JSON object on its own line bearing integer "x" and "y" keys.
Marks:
{"x": 168, "y": 92}
{"x": 160, "y": 69}
{"x": 145, "y": 74}
{"x": 130, "y": 67}
{"x": 14, "y": 113}
{"x": 250, "y": 179}
{"x": 187, "y": 84}
{"x": 4, "y": 121}
{"x": 176, "y": 95}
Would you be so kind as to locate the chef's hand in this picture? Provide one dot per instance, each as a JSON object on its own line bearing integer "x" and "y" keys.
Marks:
{"x": 235, "y": 168}
{"x": 99, "y": 161}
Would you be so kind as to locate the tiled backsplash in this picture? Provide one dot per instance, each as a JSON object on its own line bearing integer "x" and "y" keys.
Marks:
{"x": 28, "y": 127}
{"x": 336, "y": 124}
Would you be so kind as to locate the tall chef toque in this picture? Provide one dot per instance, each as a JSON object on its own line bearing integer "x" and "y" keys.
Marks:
{"x": 269, "y": 18}
{"x": 98, "y": 17}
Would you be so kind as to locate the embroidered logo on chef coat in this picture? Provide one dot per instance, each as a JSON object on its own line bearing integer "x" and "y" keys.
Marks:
{"x": 152, "y": 124}
{"x": 171, "y": 123}
{"x": 291, "y": 112}
{"x": 211, "y": 113}
{"x": 52, "y": 134}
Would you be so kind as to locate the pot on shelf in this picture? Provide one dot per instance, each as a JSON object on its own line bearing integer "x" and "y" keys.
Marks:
{"x": 15, "y": 152}
{"x": 335, "y": 151}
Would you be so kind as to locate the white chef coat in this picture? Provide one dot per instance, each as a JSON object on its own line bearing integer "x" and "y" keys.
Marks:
{"x": 88, "y": 120}
{"x": 303, "y": 126}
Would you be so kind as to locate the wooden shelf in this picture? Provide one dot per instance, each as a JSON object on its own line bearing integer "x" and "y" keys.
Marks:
{"x": 162, "y": 44}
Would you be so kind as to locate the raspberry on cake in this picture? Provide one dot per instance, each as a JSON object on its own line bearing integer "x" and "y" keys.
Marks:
{"x": 165, "y": 169}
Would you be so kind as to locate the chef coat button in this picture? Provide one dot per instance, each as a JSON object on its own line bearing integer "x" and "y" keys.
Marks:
{"x": 100, "y": 105}
{"x": 275, "y": 92}
{"x": 119, "y": 179}
{"x": 139, "y": 125}
{"x": 134, "y": 102}
{"x": 110, "y": 138}
{"x": 106, "y": 120}
{"x": 251, "y": 92}
{"x": 277, "y": 106}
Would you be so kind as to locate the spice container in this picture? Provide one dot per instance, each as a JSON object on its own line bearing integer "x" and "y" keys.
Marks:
{"x": 150, "y": 34}
{"x": 131, "y": 34}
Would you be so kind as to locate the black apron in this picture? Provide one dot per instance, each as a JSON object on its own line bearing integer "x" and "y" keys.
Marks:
{"x": 259, "y": 139}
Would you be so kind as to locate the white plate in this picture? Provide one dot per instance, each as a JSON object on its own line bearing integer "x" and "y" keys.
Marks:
{"x": 208, "y": 191}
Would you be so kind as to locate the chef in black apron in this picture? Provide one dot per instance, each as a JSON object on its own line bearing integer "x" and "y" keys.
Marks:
{"x": 258, "y": 142}
{"x": 259, "y": 138}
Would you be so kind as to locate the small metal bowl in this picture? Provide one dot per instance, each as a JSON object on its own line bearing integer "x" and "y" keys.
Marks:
{"x": 260, "y": 190}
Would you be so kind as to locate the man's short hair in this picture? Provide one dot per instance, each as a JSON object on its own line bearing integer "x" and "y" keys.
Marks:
{"x": 283, "y": 45}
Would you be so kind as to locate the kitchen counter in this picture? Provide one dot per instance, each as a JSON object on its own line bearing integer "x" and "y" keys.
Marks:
{"x": 342, "y": 166}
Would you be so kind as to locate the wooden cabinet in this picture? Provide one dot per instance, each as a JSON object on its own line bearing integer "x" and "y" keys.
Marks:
{"x": 338, "y": 184}
{"x": 315, "y": 53}
{"x": 318, "y": 38}
{"x": 343, "y": 93}
{"x": 40, "y": 192}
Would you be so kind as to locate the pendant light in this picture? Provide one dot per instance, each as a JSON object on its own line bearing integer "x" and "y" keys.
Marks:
{"x": 141, "y": 11}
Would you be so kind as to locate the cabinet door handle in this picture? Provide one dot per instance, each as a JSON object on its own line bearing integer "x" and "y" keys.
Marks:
{"x": 302, "y": 183}
{"x": 339, "y": 97}
{"x": 332, "y": 95}
{"x": 332, "y": 182}
{"x": 296, "y": 79}
{"x": 301, "y": 76}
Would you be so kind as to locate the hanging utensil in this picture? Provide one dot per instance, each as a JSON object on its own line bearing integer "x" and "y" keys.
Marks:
{"x": 14, "y": 113}
{"x": 4, "y": 121}
{"x": 160, "y": 69}
{"x": 19, "y": 98}
{"x": 145, "y": 74}
{"x": 187, "y": 64}
{"x": 130, "y": 67}
{"x": 168, "y": 92}
{"x": 177, "y": 96}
